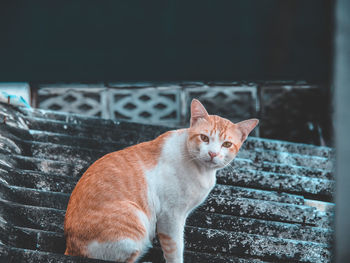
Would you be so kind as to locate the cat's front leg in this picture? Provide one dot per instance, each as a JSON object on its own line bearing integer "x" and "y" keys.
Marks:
{"x": 170, "y": 230}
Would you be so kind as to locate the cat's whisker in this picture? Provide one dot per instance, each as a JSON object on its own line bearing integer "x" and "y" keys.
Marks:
{"x": 232, "y": 167}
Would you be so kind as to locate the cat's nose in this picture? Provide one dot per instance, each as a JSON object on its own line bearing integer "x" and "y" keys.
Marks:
{"x": 212, "y": 155}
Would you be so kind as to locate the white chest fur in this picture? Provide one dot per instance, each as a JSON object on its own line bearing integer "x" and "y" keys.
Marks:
{"x": 177, "y": 183}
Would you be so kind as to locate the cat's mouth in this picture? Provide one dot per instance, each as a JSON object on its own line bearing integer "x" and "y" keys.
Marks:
{"x": 212, "y": 163}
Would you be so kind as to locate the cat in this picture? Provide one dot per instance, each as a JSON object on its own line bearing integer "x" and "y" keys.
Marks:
{"x": 127, "y": 197}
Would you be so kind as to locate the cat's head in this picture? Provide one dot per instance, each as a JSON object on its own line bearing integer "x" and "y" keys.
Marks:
{"x": 214, "y": 141}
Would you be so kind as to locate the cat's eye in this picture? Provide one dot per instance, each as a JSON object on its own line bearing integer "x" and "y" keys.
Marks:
{"x": 227, "y": 144}
{"x": 204, "y": 138}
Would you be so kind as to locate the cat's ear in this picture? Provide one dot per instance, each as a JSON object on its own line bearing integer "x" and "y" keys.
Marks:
{"x": 246, "y": 127}
{"x": 197, "y": 112}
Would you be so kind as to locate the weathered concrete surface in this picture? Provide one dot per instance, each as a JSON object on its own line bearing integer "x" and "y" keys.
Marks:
{"x": 57, "y": 200}
{"x": 256, "y": 213}
{"x": 197, "y": 239}
{"x": 285, "y": 178}
{"x": 291, "y": 183}
{"x": 261, "y": 227}
{"x": 215, "y": 241}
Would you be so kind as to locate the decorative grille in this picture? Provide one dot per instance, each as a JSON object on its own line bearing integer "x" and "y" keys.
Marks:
{"x": 167, "y": 104}
{"x": 283, "y": 107}
{"x": 83, "y": 99}
{"x": 146, "y": 105}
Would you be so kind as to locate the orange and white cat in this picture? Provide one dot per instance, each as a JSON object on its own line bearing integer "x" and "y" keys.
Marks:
{"x": 127, "y": 197}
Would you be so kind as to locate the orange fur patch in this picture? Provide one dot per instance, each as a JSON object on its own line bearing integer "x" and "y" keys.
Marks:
{"x": 105, "y": 202}
{"x": 168, "y": 245}
{"x": 133, "y": 257}
{"x": 213, "y": 124}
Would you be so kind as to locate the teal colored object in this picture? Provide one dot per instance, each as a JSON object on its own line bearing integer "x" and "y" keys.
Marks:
{"x": 16, "y": 98}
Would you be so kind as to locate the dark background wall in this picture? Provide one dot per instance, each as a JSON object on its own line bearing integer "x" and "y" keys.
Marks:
{"x": 114, "y": 40}
{"x": 259, "y": 41}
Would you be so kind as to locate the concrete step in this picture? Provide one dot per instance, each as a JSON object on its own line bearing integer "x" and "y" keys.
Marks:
{"x": 197, "y": 239}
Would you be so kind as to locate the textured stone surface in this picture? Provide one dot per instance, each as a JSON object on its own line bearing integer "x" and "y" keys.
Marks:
{"x": 256, "y": 213}
{"x": 254, "y": 245}
{"x": 278, "y": 182}
{"x": 260, "y": 227}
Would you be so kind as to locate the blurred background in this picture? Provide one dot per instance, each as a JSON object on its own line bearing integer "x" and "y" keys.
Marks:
{"x": 144, "y": 61}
